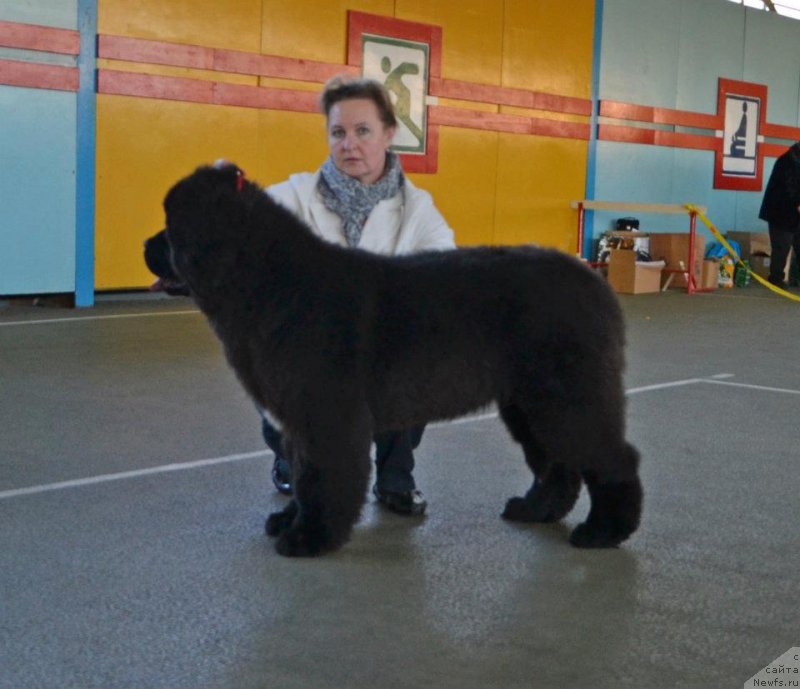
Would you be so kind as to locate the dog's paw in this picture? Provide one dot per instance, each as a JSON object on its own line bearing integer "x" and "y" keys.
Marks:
{"x": 588, "y": 536}
{"x": 527, "y": 510}
{"x": 278, "y": 522}
{"x": 300, "y": 543}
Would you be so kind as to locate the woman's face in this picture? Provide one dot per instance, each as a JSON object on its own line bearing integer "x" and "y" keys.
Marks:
{"x": 358, "y": 140}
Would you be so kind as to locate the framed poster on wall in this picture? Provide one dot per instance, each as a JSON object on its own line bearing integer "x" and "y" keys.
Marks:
{"x": 742, "y": 108}
{"x": 403, "y": 56}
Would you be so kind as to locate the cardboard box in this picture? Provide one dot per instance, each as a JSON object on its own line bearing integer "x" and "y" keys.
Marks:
{"x": 673, "y": 248}
{"x": 751, "y": 243}
{"x": 626, "y": 275}
{"x": 760, "y": 265}
{"x": 710, "y": 275}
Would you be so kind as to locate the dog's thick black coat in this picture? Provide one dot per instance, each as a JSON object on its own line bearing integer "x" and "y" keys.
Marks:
{"x": 339, "y": 344}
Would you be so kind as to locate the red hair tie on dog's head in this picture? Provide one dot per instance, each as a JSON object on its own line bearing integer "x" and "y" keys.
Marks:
{"x": 221, "y": 163}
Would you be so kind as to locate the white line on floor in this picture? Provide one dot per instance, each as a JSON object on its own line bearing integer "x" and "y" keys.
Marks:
{"x": 663, "y": 386}
{"x": 464, "y": 419}
{"x": 105, "y": 478}
{"x": 167, "y": 468}
{"x": 149, "y": 314}
{"x": 764, "y": 388}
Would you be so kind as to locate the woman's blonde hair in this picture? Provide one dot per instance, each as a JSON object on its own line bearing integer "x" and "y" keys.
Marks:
{"x": 341, "y": 88}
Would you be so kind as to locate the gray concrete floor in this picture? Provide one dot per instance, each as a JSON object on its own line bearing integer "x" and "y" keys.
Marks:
{"x": 128, "y": 560}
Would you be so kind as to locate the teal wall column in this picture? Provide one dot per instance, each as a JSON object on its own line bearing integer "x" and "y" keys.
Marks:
{"x": 85, "y": 154}
{"x": 591, "y": 161}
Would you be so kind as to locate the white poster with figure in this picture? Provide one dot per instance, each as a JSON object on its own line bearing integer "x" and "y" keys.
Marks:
{"x": 402, "y": 66}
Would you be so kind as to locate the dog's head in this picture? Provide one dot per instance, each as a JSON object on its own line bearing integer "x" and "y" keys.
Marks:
{"x": 203, "y": 213}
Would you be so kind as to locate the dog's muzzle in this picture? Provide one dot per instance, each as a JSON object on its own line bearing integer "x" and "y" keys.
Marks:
{"x": 156, "y": 257}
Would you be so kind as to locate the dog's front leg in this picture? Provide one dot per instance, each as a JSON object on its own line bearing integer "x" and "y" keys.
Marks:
{"x": 331, "y": 470}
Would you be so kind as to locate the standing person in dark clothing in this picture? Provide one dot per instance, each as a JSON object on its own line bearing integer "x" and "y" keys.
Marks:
{"x": 781, "y": 209}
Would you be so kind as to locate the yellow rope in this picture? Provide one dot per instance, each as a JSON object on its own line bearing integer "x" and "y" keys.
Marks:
{"x": 694, "y": 209}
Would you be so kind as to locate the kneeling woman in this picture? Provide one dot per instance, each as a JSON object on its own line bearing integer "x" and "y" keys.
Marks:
{"x": 360, "y": 198}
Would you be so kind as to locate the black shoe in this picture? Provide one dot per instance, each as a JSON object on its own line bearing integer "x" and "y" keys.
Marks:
{"x": 409, "y": 502}
{"x": 282, "y": 475}
{"x": 778, "y": 282}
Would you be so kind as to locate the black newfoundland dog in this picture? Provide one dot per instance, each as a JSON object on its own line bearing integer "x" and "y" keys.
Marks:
{"x": 338, "y": 344}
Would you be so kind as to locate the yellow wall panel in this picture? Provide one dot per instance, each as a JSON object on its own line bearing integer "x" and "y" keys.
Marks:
{"x": 548, "y": 46}
{"x": 492, "y": 187}
{"x": 313, "y": 29}
{"x": 233, "y": 24}
{"x": 288, "y": 142}
{"x": 143, "y": 147}
{"x": 464, "y": 187}
{"x": 537, "y": 177}
{"x": 472, "y": 40}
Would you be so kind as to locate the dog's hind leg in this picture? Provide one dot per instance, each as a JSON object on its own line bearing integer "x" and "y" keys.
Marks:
{"x": 555, "y": 487}
{"x": 549, "y": 499}
{"x": 616, "y": 504}
{"x": 330, "y": 485}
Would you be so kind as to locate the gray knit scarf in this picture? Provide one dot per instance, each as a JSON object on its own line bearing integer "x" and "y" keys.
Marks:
{"x": 353, "y": 201}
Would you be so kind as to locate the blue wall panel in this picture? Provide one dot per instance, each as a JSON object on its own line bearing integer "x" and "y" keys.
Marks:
{"x": 639, "y": 52}
{"x": 38, "y": 165}
{"x": 62, "y": 14}
{"x": 37, "y": 186}
{"x": 710, "y": 39}
{"x": 672, "y": 54}
{"x": 772, "y": 57}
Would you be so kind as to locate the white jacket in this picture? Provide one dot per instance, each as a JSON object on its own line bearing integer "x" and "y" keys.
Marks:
{"x": 404, "y": 224}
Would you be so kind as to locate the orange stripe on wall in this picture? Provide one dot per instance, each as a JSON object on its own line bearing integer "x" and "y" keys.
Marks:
{"x": 780, "y": 131}
{"x": 216, "y": 59}
{"x": 152, "y": 86}
{"x": 503, "y": 95}
{"x": 570, "y": 130}
{"x": 120, "y": 83}
{"x": 41, "y": 38}
{"x": 38, "y": 76}
{"x": 475, "y": 119}
{"x": 279, "y": 67}
{"x": 565, "y": 104}
{"x": 773, "y": 150}
{"x": 696, "y": 141}
{"x": 656, "y": 137}
{"x": 265, "y": 98}
{"x": 154, "y": 52}
{"x": 644, "y": 113}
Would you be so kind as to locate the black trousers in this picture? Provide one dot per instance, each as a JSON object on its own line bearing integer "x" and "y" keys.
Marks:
{"x": 782, "y": 240}
{"x": 394, "y": 455}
